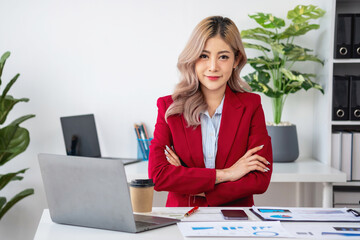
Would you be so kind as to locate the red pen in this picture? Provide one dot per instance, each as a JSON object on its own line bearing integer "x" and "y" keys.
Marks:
{"x": 194, "y": 209}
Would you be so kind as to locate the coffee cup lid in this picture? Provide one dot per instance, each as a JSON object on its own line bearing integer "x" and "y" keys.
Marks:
{"x": 142, "y": 183}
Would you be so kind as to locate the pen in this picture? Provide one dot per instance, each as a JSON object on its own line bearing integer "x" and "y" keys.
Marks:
{"x": 194, "y": 209}
{"x": 142, "y": 135}
{"x": 142, "y": 147}
{"x": 145, "y": 131}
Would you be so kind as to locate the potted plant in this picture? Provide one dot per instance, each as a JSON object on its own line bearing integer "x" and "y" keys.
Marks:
{"x": 13, "y": 141}
{"x": 274, "y": 73}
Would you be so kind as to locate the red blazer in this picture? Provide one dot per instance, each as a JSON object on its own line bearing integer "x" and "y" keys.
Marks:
{"x": 242, "y": 128}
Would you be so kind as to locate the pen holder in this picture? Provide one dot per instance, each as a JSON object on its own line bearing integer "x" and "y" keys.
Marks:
{"x": 143, "y": 148}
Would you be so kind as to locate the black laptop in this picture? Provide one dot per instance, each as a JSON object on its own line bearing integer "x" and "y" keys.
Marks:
{"x": 81, "y": 139}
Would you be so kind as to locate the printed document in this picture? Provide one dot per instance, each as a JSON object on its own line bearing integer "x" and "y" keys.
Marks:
{"x": 233, "y": 229}
{"x": 306, "y": 214}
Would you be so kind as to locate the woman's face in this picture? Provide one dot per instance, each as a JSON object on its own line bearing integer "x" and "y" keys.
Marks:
{"x": 215, "y": 65}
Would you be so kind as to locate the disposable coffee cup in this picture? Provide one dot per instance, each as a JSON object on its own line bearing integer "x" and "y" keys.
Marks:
{"x": 142, "y": 192}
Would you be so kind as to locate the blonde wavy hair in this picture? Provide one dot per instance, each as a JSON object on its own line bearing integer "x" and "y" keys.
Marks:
{"x": 188, "y": 98}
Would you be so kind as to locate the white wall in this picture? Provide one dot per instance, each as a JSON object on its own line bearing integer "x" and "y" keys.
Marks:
{"x": 112, "y": 58}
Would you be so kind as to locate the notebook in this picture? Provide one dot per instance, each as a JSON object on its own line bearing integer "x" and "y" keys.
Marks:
{"x": 81, "y": 137}
{"x": 92, "y": 192}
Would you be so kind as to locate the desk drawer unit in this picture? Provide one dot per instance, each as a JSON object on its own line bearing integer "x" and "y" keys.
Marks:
{"x": 347, "y": 196}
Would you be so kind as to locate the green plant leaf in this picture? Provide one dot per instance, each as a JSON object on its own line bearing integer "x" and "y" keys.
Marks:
{"x": 295, "y": 53}
{"x": 268, "y": 20}
{"x": 292, "y": 50}
{"x": 14, "y": 200}
{"x": 255, "y": 46}
{"x": 308, "y": 84}
{"x": 306, "y": 58}
{"x": 2, "y": 201}
{"x": 258, "y": 37}
{"x": 258, "y": 81}
{"x": 7, "y": 88}
{"x": 13, "y": 142}
{"x": 278, "y": 48}
{"x": 292, "y": 75}
{"x": 19, "y": 120}
{"x": 302, "y": 13}
{"x": 261, "y": 63}
{"x": 7, "y": 104}
{"x": 298, "y": 81}
{"x": 297, "y": 29}
{"x": 6, "y": 178}
{"x": 257, "y": 31}
{"x": 3, "y": 59}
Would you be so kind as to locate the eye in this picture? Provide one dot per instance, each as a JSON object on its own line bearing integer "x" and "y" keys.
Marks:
{"x": 224, "y": 57}
{"x": 203, "y": 56}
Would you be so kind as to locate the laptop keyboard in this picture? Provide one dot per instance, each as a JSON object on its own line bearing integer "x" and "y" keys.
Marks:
{"x": 141, "y": 224}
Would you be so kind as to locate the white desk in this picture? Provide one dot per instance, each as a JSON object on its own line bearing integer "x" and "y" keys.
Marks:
{"x": 301, "y": 171}
{"x": 48, "y": 230}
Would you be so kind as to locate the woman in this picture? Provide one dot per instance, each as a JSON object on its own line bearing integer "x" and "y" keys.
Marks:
{"x": 211, "y": 146}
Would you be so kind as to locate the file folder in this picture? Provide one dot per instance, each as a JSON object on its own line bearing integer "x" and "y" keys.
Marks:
{"x": 346, "y": 153}
{"x": 356, "y": 36}
{"x": 336, "y": 150}
{"x": 343, "y": 36}
{"x": 340, "y": 98}
{"x": 355, "y": 98}
{"x": 356, "y": 157}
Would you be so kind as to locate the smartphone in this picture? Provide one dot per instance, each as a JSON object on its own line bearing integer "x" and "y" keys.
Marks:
{"x": 234, "y": 214}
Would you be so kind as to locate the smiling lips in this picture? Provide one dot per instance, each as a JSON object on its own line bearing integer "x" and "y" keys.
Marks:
{"x": 213, "y": 78}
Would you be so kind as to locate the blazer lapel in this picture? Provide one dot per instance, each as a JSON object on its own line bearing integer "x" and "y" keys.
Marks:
{"x": 232, "y": 113}
{"x": 194, "y": 141}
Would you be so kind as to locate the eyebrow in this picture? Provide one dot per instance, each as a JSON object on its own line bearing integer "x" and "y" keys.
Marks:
{"x": 224, "y": 51}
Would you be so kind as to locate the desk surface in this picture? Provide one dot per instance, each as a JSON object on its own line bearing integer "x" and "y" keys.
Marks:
{"x": 48, "y": 230}
{"x": 302, "y": 170}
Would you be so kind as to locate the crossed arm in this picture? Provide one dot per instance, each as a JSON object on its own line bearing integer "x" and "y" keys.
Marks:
{"x": 247, "y": 163}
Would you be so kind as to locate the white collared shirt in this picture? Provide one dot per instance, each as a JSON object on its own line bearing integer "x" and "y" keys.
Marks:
{"x": 210, "y": 132}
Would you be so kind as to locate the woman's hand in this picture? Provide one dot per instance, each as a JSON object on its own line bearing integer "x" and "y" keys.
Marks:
{"x": 247, "y": 163}
{"x": 171, "y": 156}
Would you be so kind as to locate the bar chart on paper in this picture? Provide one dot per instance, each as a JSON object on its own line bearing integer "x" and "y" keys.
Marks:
{"x": 232, "y": 229}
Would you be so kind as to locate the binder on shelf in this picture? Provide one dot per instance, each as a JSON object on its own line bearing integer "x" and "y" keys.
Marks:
{"x": 336, "y": 150}
{"x": 356, "y": 36}
{"x": 355, "y": 98}
{"x": 340, "y": 98}
{"x": 346, "y": 153}
{"x": 343, "y": 36}
{"x": 356, "y": 157}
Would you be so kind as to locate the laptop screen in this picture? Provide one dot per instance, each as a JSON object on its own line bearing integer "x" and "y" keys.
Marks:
{"x": 80, "y": 136}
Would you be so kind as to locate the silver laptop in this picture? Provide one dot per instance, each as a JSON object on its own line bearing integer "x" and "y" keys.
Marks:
{"x": 81, "y": 139}
{"x": 92, "y": 192}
